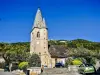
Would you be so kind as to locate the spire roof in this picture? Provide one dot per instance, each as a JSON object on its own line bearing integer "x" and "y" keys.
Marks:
{"x": 39, "y": 22}
{"x": 38, "y": 18}
{"x": 44, "y": 23}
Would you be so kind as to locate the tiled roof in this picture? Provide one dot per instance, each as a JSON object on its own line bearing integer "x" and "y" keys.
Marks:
{"x": 58, "y": 51}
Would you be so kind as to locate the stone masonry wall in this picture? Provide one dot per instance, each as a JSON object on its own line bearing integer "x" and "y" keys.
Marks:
{"x": 60, "y": 71}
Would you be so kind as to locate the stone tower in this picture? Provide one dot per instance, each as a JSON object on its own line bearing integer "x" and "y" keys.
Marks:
{"x": 39, "y": 39}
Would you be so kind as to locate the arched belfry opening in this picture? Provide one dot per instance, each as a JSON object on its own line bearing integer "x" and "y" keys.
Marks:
{"x": 38, "y": 34}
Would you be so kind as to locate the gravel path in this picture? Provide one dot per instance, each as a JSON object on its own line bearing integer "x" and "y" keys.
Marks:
{"x": 6, "y": 73}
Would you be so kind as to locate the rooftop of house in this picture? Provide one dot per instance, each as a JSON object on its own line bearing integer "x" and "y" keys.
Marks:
{"x": 58, "y": 51}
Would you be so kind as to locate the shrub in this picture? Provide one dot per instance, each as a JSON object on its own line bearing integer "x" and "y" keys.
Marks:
{"x": 68, "y": 62}
{"x": 34, "y": 61}
{"x": 76, "y": 62}
{"x": 93, "y": 61}
{"x": 23, "y": 65}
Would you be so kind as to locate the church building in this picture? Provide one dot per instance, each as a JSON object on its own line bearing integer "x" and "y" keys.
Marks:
{"x": 49, "y": 54}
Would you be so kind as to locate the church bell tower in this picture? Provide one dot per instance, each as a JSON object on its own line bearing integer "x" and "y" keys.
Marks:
{"x": 39, "y": 38}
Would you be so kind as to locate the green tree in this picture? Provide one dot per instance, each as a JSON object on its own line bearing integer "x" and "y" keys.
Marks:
{"x": 14, "y": 52}
{"x": 4, "y": 47}
{"x": 34, "y": 61}
{"x": 23, "y": 65}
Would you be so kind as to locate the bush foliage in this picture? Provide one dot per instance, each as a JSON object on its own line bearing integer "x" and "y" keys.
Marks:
{"x": 19, "y": 52}
{"x": 34, "y": 61}
{"x": 23, "y": 65}
{"x": 76, "y": 62}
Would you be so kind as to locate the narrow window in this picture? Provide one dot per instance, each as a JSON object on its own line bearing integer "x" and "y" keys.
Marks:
{"x": 38, "y": 34}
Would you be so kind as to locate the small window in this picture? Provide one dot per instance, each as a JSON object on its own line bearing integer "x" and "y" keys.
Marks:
{"x": 44, "y": 38}
{"x": 38, "y": 34}
{"x": 44, "y": 47}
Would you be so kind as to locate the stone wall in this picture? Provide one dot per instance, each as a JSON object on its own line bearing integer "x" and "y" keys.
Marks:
{"x": 60, "y": 71}
{"x": 36, "y": 70}
{"x": 55, "y": 70}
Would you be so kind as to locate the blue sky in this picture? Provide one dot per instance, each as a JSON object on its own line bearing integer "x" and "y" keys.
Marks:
{"x": 66, "y": 19}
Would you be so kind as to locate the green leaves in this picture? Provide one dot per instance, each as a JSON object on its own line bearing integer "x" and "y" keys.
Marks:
{"x": 34, "y": 61}
{"x": 76, "y": 62}
{"x": 19, "y": 52}
{"x": 23, "y": 65}
{"x": 16, "y": 52}
{"x": 84, "y": 43}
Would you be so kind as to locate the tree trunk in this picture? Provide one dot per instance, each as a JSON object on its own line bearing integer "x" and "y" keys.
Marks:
{"x": 6, "y": 60}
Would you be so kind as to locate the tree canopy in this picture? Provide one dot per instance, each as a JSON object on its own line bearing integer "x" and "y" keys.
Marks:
{"x": 19, "y": 52}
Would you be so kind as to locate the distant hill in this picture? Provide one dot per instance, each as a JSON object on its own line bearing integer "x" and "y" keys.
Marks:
{"x": 77, "y": 43}
{"x": 69, "y": 43}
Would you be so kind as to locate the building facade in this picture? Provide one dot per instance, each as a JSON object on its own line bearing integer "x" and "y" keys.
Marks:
{"x": 39, "y": 39}
{"x": 39, "y": 43}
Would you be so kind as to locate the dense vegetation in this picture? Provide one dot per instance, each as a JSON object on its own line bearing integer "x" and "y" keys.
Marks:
{"x": 77, "y": 43}
{"x": 80, "y": 48}
{"x": 19, "y": 52}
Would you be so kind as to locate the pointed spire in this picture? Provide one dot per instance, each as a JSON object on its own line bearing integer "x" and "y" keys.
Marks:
{"x": 44, "y": 23}
{"x": 38, "y": 19}
{"x": 39, "y": 22}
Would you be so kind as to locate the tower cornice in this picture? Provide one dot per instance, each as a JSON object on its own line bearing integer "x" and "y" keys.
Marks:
{"x": 38, "y": 28}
